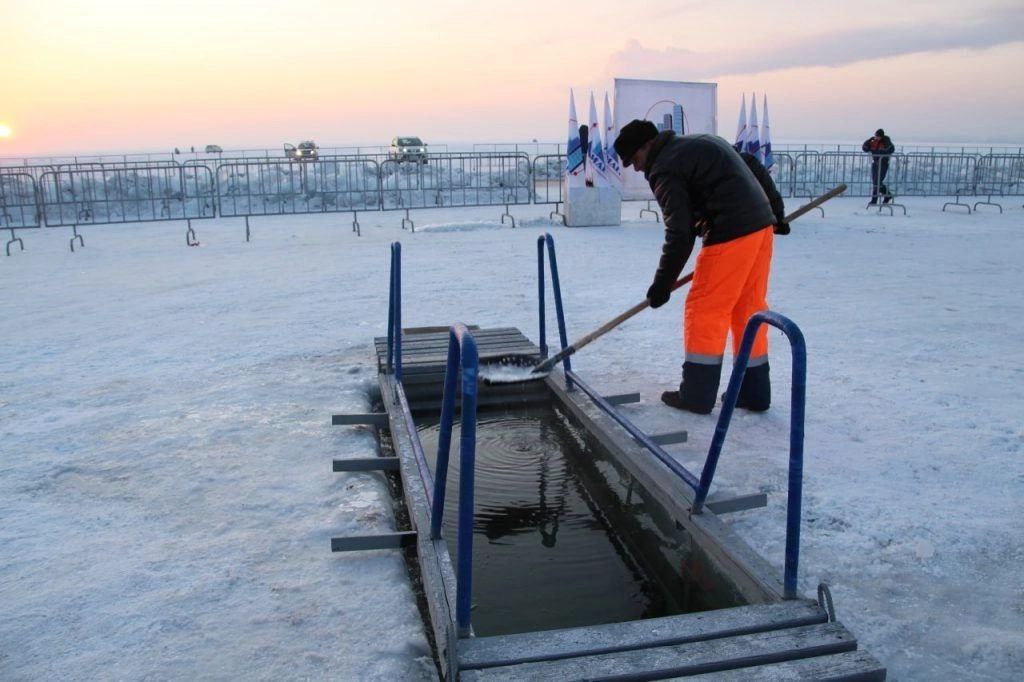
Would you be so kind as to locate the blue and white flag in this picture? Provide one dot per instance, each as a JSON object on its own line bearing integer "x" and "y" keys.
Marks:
{"x": 741, "y": 127}
{"x": 766, "y": 139}
{"x": 611, "y": 157}
{"x": 574, "y": 149}
{"x": 597, "y": 165}
{"x": 753, "y": 145}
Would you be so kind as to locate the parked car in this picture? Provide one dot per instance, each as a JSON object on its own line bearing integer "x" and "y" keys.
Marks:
{"x": 408, "y": 149}
{"x": 305, "y": 151}
{"x": 213, "y": 149}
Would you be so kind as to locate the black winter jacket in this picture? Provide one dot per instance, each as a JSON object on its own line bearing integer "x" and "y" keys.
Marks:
{"x": 701, "y": 177}
{"x": 770, "y": 190}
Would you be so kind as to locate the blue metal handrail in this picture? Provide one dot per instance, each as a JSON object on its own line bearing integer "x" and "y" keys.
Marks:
{"x": 395, "y": 313}
{"x": 557, "y": 288}
{"x": 462, "y": 359}
{"x": 395, "y": 364}
{"x": 701, "y": 486}
{"x": 635, "y": 431}
{"x": 796, "y": 432}
{"x": 573, "y": 379}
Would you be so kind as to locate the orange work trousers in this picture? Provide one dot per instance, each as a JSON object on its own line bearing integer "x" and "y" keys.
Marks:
{"x": 730, "y": 283}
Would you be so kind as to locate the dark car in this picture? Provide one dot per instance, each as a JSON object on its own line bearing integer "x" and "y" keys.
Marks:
{"x": 306, "y": 151}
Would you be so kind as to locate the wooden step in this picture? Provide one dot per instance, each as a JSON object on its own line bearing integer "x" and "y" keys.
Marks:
{"x": 692, "y": 658}
{"x": 859, "y": 666}
{"x": 504, "y": 650}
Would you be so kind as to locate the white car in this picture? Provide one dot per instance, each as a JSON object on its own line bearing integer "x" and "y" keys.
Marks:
{"x": 408, "y": 149}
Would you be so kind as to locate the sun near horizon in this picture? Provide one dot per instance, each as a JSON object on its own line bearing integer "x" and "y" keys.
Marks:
{"x": 5, "y": 131}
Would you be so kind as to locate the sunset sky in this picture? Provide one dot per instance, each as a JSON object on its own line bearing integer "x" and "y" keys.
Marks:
{"x": 147, "y": 75}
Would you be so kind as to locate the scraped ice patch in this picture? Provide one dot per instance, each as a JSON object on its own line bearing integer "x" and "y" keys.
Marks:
{"x": 506, "y": 373}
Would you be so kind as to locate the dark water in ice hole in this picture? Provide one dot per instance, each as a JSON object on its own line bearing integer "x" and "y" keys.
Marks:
{"x": 561, "y": 537}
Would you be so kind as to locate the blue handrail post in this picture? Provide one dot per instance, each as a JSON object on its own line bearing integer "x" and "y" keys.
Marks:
{"x": 444, "y": 438}
{"x": 398, "y": 313}
{"x": 467, "y": 468}
{"x": 559, "y": 311}
{"x": 796, "y": 433}
{"x": 463, "y": 359}
{"x": 391, "y": 305}
{"x": 540, "y": 296}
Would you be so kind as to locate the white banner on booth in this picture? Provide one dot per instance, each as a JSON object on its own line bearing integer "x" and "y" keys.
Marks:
{"x": 670, "y": 105}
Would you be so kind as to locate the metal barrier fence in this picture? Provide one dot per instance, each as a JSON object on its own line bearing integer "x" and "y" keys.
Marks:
{"x": 926, "y": 175}
{"x": 124, "y": 190}
{"x": 548, "y": 173}
{"x": 820, "y": 172}
{"x": 259, "y": 188}
{"x": 35, "y": 171}
{"x": 19, "y": 202}
{"x": 784, "y": 173}
{"x": 145, "y": 194}
{"x": 456, "y": 180}
{"x": 1000, "y": 174}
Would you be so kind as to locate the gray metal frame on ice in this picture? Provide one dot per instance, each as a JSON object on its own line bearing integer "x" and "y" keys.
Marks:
{"x": 72, "y": 198}
{"x": 122, "y": 190}
{"x": 19, "y": 206}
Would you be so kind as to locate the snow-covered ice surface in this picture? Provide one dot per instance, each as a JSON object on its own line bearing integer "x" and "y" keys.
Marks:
{"x": 166, "y": 495}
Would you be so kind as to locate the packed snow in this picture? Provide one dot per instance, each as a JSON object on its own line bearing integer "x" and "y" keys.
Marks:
{"x": 167, "y": 496}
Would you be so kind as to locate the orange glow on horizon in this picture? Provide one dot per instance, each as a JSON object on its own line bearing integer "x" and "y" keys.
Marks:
{"x": 148, "y": 75}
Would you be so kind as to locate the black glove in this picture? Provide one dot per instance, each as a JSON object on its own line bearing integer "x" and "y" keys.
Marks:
{"x": 658, "y": 295}
{"x": 781, "y": 227}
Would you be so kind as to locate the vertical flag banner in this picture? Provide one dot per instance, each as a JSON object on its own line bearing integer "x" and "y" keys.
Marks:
{"x": 741, "y": 127}
{"x": 574, "y": 149}
{"x": 766, "y": 139}
{"x": 612, "y": 159}
{"x": 753, "y": 134}
{"x": 597, "y": 166}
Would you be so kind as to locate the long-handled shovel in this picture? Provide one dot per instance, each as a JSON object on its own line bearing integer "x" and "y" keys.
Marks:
{"x": 512, "y": 369}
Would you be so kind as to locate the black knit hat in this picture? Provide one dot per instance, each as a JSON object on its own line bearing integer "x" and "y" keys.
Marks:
{"x": 634, "y": 135}
{"x": 879, "y": 133}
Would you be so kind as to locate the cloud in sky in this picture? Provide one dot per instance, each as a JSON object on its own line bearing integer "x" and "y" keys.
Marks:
{"x": 834, "y": 48}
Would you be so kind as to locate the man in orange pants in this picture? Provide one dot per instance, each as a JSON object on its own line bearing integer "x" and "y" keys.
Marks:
{"x": 704, "y": 188}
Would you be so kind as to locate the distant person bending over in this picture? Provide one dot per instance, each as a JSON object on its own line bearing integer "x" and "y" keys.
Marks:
{"x": 881, "y": 148}
{"x": 701, "y": 177}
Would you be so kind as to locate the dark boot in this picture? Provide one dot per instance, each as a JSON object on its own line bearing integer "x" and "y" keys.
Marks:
{"x": 756, "y": 389}
{"x": 697, "y": 391}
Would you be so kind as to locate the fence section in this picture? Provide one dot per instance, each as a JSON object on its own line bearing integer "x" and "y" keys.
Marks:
{"x": 19, "y": 202}
{"x": 784, "y": 173}
{"x": 456, "y": 180}
{"x": 928, "y": 175}
{"x": 1000, "y": 174}
{"x": 548, "y": 174}
{"x": 126, "y": 195}
{"x": 124, "y": 190}
{"x": 259, "y": 187}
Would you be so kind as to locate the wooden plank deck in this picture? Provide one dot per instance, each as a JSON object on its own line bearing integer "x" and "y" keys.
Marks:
{"x": 425, "y": 353}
